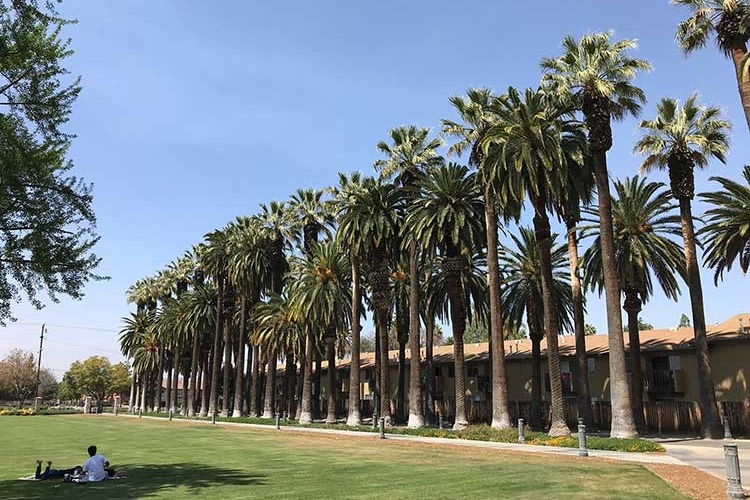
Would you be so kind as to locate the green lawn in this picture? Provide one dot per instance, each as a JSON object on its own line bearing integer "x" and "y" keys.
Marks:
{"x": 187, "y": 460}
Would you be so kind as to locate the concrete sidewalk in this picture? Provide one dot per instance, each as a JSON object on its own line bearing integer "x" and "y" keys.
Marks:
{"x": 643, "y": 458}
{"x": 708, "y": 455}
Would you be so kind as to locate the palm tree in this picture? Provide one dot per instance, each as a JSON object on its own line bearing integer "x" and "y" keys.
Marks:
{"x": 200, "y": 319}
{"x": 727, "y": 230}
{"x": 135, "y": 328}
{"x": 409, "y": 155}
{"x": 370, "y": 225}
{"x": 349, "y": 239}
{"x": 448, "y": 218}
{"x": 523, "y": 299}
{"x": 535, "y": 140}
{"x": 644, "y": 221}
{"x": 596, "y": 75}
{"x": 729, "y": 22}
{"x": 679, "y": 139}
{"x": 320, "y": 292}
{"x": 476, "y": 115}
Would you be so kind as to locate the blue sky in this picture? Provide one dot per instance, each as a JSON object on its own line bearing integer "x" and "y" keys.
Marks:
{"x": 195, "y": 112}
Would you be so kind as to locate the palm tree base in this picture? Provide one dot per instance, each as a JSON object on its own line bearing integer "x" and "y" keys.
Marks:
{"x": 354, "y": 420}
{"x": 267, "y": 414}
{"x": 236, "y": 414}
{"x": 460, "y": 425}
{"x": 559, "y": 429}
{"x": 224, "y": 414}
{"x": 503, "y": 423}
{"x": 304, "y": 418}
{"x": 415, "y": 421}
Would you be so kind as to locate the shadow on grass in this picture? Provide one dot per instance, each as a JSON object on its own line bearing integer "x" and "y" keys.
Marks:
{"x": 143, "y": 481}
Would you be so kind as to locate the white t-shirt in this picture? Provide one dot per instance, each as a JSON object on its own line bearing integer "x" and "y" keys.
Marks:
{"x": 94, "y": 467}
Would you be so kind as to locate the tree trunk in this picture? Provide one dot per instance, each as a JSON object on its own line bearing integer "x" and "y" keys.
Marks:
{"x": 622, "y": 412}
{"x": 268, "y": 405}
{"x": 159, "y": 382}
{"x": 583, "y": 392}
{"x": 633, "y": 307}
{"x": 710, "y": 422}
{"x": 239, "y": 377}
{"x": 743, "y": 81}
{"x": 205, "y": 389}
{"x": 216, "y": 352}
{"x": 401, "y": 399}
{"x": 131, "y": 399}
{"x": 317, "y": 383}
{"x": 332, "y": 389}
{"x": 255, "y": 382}
{"x": 175, "y": 382}
{"x": 429, "y": 374}
{"x": 300, "y": 385}
{"x": 558, "y": 427}
{"x": 227, "y": 369}
{"x": 385, "y": 377}
{"x": 193, "y": 387}
{"x": 536, "y": 417}
{"x": 416, "y": 419}
{"x": 453, "y": 264}
{"x": 306, "y": 413}
{"x": 355, "y": 418}
{"x": 500, "y": 415}
{"x": 144, "y": 392}
{"x": 290, "y": 373}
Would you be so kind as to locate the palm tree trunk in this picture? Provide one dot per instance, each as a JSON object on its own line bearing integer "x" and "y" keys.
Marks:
{"x": 159, "y": 381}
{"x": 131, "y": 399}
{"x": 558, "y": 427}
{"x": 743, "y": 81}
{"x": 193, "y": 387}
{"x": 239, "y": 380}
{"x": 500, "y": 415}
{"x": 187, "y": 376}
{"x": 385, "y": 376}
{"x": 583, "y": 391}
{"x": 175, "y": 379}
{"x": 144, "y": 392}
{"x": 317, "y": 383}
{"x": 205, "y": 381}
{"x": 255, "y": 381}
{"x": 633, "y": 307}
{"x": 216, "y": 352}
{"x": 305, "y": 416}
{"x": 416, "y": 418}
{"x": 332, "y": 390}
{"x": 227, "y": 368}
{"x": 453, "y": 264}
{"x": 710, "y": 421}
{"x": 299, "y": 385}
{"x": 536, "y": 419}
{"x": 168, "y": 395}
{"x": 354, "y": 418}
{"x": 622, "y": 412}
{"x": 402, "y": 336}
{"x": 290, "y": 372}
{"x": 269, "y": 410}
{"x": 429, "y": 327}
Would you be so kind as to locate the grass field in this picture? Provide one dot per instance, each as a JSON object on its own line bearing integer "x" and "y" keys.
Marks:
{"x": 185, "y": 460}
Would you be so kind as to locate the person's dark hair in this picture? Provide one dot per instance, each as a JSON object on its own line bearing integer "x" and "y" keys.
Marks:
{"x": 92, "y": 450}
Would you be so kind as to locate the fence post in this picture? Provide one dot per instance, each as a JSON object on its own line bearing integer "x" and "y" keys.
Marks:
{"x": 734, "y": 481}
{"x": 582, "y": 449}
{"x": 521, "y": 434}
{"x": 382, "y": 427}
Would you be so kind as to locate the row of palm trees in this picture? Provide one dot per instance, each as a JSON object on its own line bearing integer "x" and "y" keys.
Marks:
{"x": 421, "y": 242}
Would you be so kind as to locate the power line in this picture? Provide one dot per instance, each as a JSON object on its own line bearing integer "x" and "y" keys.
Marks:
{"x": 74, "y": 327}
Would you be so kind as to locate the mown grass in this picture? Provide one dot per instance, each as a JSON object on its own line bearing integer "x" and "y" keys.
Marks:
{"x": 474, "y": 433}
{"x": 183, "y": 460}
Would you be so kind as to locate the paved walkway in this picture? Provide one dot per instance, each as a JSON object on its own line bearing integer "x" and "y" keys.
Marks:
{"x": 644, "y": 458}
{"x": 708, "y": 455}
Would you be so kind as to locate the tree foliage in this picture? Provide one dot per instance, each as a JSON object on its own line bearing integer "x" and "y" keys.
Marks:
{"x": 96, "y": 377}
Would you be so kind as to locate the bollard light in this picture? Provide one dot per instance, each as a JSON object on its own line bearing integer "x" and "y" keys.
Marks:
{"x": 582, "y": 449}
{"x": 440, "y": 421}
{"x": 213, "y": 417}
{"x": 734, "y": 481}
{"x": 521, "y": 431}
{"x": 382, "y": 427}
{"x": 727, "y": 429}
{"x": 140, "y": 412}
{"x": 170, "y": 414}
{"x": 278, "y": 422}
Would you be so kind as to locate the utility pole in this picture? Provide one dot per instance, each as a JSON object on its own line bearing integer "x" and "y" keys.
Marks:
{"x": 39, "y": 361}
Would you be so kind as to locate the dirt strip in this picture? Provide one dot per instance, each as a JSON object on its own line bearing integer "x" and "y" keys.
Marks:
{"x": 690, "y": 481}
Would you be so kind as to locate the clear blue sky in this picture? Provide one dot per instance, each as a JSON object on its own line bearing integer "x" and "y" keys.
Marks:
{"x": 195, "y": 112}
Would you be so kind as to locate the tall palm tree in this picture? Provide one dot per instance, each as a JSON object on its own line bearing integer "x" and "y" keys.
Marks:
{"x": 523, "y": 299}
{"x": 727, "y": 230}
{"x": 406, "y": 159}
{"x": 476, "y": 114}
{"x": 320, "y": 292}
{"x": 448, "y": 218}
{"x": 350, "y": 239}
{"x": 200, "y": 319}
{"x": 644, "y": 222}
{"x": 536, "y": 138}
{"x": 728, "y": 21}
{"x": 596, "y": 75}
{"x": 679, "y": 139}
{"x": 371, "y": 225}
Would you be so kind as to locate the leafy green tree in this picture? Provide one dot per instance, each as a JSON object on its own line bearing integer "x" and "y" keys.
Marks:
{"x": 728, "y": 21}
{"x": 97, "y": 377}
{"x": 596, "y": 74}
{"x": 727, "y": 230}
{"x": 679, "y": 139}
{"x": 47, "y": 224}
{"x": 590, "y": 329}
{"x": 643, "y": 326}
{"x": 18, "y": 376}
{"x": 684, "y": 321}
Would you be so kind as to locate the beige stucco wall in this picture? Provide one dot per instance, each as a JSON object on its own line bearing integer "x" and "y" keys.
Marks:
{"x": 730, "y": 367}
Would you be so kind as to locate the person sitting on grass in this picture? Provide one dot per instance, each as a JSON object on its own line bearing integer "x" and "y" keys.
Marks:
{"x": 50, "y": 473}
{"x": 95, "y": 467}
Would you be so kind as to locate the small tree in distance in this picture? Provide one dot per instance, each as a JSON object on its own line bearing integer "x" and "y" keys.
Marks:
{"x": 96, "y": 377}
